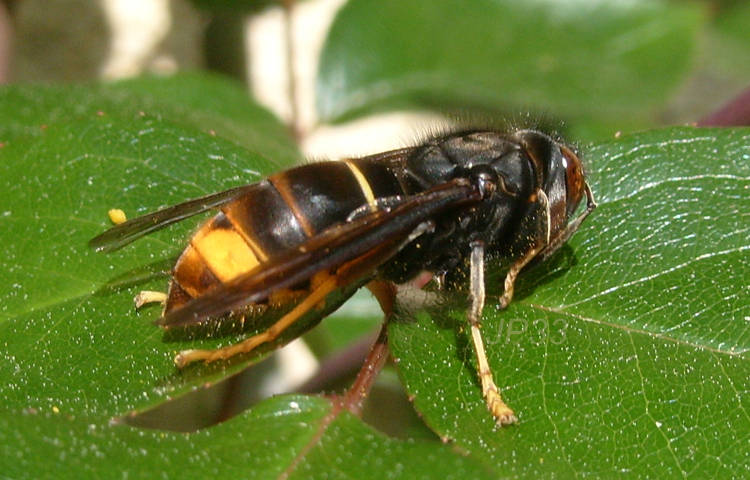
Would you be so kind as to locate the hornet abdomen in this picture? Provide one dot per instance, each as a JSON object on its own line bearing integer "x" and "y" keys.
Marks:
{"x": 278, "y": 215}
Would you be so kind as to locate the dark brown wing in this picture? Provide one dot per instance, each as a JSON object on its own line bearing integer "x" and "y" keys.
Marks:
{"x": 125, "y": 233}
{"x": 375, "y": 237}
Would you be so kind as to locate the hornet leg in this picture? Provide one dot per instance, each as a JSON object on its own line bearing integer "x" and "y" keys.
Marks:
{"x": 499, "y": 409}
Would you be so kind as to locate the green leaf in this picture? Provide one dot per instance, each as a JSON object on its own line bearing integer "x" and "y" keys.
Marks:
{"x": 292, "y": 434}
{"x": 74, "y": 355}
{"x": 732, "y": 21}
{"x": 627, "y": 351}
{"x": 609, "y": 60}
{"x": 69, "y": 155}
{"x": 632, "y": 341}
{"x": 722, "y": 66}
{"x": 214, "y": 104}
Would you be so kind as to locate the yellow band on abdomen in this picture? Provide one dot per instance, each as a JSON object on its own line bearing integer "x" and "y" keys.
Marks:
{"x": 364, "y": 185}
{"x": 225, "y": 252}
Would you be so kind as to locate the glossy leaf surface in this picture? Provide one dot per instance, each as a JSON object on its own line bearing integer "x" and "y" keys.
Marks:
{"x": 631, "y": 342}
{"x": 75, "y": 355}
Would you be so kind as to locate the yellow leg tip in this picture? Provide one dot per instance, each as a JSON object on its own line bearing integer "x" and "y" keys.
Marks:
{"x": 186, "y": 357}
{"x": 504, "y": 416}
{"x": 500, "y": 410}
{"x": 148, "y": 296}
